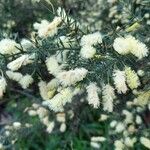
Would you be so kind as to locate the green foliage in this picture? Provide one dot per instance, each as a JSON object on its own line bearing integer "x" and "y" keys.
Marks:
{"x": 86, "y": 121}
{"x": 18, "y": 16}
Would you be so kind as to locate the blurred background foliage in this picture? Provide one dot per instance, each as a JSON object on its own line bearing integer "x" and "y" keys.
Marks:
{"x": 18, "y": 16}
{"x": 77, "y": 137}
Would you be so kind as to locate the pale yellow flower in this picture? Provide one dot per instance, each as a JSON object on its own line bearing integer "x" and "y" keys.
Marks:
{"x": 132, "y": 78}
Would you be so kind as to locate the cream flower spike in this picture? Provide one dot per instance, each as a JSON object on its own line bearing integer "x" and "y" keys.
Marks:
{"x": 3, "y": 85}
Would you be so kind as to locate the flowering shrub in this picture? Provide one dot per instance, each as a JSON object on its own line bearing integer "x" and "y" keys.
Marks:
{"x": 67, "y": 70}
